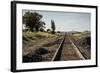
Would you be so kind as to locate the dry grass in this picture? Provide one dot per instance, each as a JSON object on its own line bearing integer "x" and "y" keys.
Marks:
{"x": 81, "y": 42}
{"x": 36, "y": 40}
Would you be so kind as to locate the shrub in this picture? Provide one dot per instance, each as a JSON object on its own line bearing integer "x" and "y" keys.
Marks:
{"x": 48, "y": 30}
{"x": 58, "y": 31}
{"x": 25, "y": 38}
{"x": 42, "y": 30}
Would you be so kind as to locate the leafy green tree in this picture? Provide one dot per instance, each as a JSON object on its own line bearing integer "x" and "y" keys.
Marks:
{"x": 32, "y": 21}
{"x": 53, "y": 27}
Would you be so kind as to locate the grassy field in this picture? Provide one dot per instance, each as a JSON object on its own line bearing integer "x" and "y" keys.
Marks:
{"x": 33, "y": 38}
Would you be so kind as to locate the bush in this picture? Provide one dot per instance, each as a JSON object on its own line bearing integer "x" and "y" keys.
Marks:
{"x": 88, "y": 40}
{"x": 25, "y": 30}
{"x": 42, "y": 30}
{"x": 53, "y": 32}
{"x": 58, "y": 31}
{"x": 85, "y": 41}
{"x": 25, "y": 38}
{"x": 48, "y": 30}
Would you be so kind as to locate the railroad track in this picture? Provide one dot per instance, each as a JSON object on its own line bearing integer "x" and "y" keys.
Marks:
{"x": 67, "y": 50}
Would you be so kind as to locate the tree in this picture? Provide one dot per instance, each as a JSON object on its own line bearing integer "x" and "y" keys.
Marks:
{"x": 53, "y": 27}
{"x": 32, "y": 21}
{"x": 39, "y": 25}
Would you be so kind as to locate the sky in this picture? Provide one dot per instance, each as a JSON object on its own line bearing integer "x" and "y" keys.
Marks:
{"x": 66, "y": 21}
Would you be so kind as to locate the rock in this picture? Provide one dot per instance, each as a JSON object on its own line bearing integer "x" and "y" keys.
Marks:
{"x": 27, "y": 58}
{"x": 32, "y": 58}
{"x": 37, "y": 58}
{"x": 42, "y": 51}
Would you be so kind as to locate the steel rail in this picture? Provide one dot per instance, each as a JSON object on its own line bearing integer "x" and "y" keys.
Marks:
{"x": 58, "y": 52}
{"x": 57, "y": 55}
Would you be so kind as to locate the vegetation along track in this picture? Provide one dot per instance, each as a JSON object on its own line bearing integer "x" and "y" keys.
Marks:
{"x": 60, "y": 49}
{"x": 67, "y": 50}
